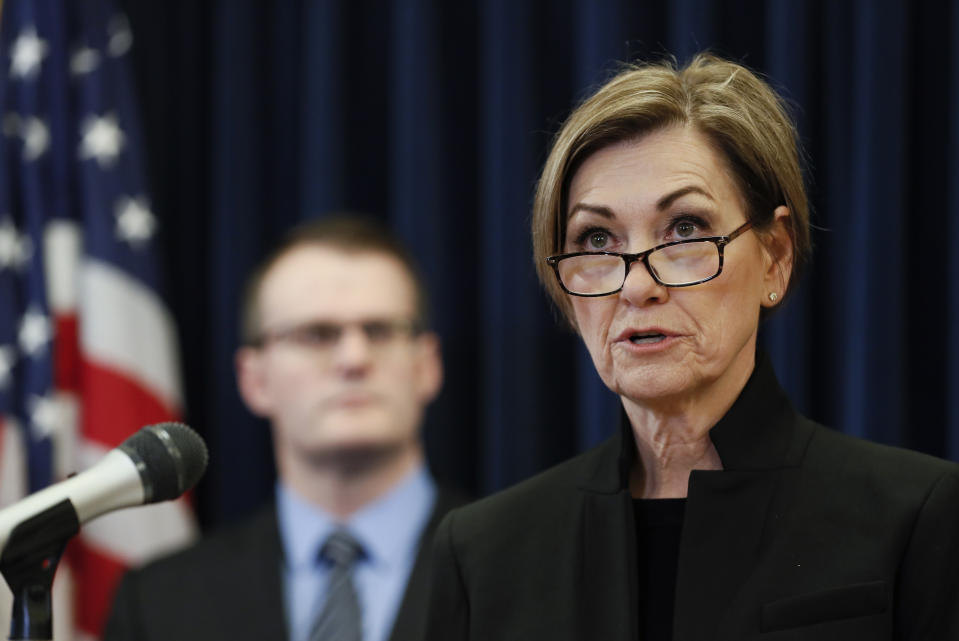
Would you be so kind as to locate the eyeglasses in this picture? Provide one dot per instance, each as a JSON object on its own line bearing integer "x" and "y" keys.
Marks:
{"x": 324, "y": 336}
{"x": 680, "y": 263}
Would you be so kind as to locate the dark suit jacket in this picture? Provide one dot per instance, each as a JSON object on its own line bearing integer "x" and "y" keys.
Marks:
{"x": 805, "y": 534}
{"x": 228, "y": 587}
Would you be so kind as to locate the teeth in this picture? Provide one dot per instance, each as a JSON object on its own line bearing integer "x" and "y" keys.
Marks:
{"x": 652, "y": 338}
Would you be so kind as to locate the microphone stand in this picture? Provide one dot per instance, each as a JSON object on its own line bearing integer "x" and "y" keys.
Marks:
{"x": 28, "y": 564}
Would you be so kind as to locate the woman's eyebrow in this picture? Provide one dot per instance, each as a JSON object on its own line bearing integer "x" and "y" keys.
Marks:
{"x": 600, "y": 210}
{"x": 662, "y": 204}
{"x": 669, "y": 198}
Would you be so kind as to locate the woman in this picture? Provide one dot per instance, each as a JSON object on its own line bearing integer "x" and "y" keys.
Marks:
{"x": 669, "y": 218}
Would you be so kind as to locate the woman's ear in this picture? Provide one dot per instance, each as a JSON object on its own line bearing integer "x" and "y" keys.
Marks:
{"x": 778, "y": 245}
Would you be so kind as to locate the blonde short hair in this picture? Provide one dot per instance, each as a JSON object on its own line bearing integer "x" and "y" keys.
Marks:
{"x": 729, "y": 104}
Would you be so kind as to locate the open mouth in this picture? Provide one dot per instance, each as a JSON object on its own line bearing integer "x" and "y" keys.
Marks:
{"x": 645, "y": 339}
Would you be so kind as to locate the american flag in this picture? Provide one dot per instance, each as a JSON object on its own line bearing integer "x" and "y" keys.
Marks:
{"x": 88, "y": 349}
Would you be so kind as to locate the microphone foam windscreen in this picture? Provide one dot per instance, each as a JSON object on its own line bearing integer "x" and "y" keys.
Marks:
{"x": 170, "y": 457}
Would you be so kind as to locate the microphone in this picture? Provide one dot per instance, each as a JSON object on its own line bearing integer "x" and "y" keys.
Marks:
{"x": 157, "y": 463}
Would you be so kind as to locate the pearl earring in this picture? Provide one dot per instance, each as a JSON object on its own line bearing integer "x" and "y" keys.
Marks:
{"x": 773, "y": 297}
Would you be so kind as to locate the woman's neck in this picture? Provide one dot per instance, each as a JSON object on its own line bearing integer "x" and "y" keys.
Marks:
{"x": 672, "y": 437}
{"x": 667, "y": 452}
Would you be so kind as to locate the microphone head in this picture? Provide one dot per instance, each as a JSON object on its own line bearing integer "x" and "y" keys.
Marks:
{"x": 170, "y": 458}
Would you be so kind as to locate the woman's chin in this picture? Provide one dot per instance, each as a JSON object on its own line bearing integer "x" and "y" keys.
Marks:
{"x": 659, "y": 398}
{"x": 653, "y": 385}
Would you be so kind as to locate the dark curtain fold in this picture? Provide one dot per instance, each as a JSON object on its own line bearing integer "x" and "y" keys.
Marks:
{"x": 436, "y": 117}
{"x": 950, "y": 280}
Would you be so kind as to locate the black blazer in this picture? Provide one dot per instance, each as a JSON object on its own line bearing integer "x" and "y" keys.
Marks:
{"x": 228, "y": 587}
{"x": 805, "y": 534}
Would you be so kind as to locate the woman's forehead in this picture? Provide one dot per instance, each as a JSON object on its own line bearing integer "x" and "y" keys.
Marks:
{"x": 651, "y": 174}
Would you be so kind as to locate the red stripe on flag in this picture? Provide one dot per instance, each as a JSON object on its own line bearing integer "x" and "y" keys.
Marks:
{"x": 115, "y": 405}
{"x": 98, "y": 575}
{"x": 66, "y": 353}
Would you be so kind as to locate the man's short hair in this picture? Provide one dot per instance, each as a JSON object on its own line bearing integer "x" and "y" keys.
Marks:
{"x": 350, "y": 233}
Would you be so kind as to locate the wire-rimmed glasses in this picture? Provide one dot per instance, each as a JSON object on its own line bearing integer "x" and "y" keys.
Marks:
{"x": 380, "y": 334}
{"x": 680, "y": 263}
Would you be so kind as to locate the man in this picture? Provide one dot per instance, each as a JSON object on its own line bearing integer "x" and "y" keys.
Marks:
{"x": 338, "y": 357}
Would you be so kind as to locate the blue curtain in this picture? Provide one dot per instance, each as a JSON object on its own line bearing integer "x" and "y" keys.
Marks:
{"x": 437, "y": 117}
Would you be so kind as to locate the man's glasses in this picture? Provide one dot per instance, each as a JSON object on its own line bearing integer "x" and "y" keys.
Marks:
{"x": 680, "y": 263}
{"x": 324, "y": 336}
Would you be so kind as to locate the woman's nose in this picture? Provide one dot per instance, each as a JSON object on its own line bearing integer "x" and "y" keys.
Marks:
{"x": 640, "y": 288}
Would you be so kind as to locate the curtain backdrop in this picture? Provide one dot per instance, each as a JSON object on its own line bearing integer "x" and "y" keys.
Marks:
{"x": 436, "y": 116}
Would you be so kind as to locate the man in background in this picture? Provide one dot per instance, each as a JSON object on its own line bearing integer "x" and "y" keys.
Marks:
{"x": 338, "y": 356}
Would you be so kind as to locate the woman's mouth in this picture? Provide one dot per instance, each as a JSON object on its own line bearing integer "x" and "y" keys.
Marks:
{"x": 645, "y": 339}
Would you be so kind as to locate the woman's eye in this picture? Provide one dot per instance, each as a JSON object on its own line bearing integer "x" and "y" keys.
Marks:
{"x": 591, "y": 239}
{"x": 685, "y": 229}
{"x": 597, "y": 240}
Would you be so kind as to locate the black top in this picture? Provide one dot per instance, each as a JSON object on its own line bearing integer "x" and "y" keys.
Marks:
{"x": 659, "y": 523}
{"x": 804, "y": 533}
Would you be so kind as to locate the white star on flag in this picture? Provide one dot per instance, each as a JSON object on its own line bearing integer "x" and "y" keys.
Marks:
{"x": 15, "y": 249}
{"x": 7, "y": 358}
{"x": 35, "y": 332}
{"x": 27, "y": 53}
{"x": 102, "y": 139}
{"x": 84, "y": 60}
{"x": 36, "y": 138}
{"x": 121, "y": 38}
{"x": 136, "y": 224}
{"x": 47, "y": 416}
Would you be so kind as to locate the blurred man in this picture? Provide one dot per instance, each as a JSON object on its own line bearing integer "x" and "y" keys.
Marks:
{"x": 337, "y": 355}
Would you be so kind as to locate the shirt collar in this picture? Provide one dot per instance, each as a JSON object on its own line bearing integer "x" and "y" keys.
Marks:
{"x": 759, "y": 431}
{"x": 388, "y": 528}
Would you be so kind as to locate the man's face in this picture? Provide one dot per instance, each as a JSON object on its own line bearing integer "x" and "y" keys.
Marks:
{"x": 327, "y": 395}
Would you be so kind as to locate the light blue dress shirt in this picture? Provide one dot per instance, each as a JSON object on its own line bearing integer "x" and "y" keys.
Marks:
{"x": 389, "y": 530}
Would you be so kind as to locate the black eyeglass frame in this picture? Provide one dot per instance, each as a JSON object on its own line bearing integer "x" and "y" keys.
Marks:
{"x": 719, "y": 241}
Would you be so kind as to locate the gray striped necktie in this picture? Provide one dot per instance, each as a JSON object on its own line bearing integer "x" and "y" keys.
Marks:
{"x": 340, "y": 618}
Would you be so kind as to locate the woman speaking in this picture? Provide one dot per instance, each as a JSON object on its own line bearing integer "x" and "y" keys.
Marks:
{"x": 669, "y": 219}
